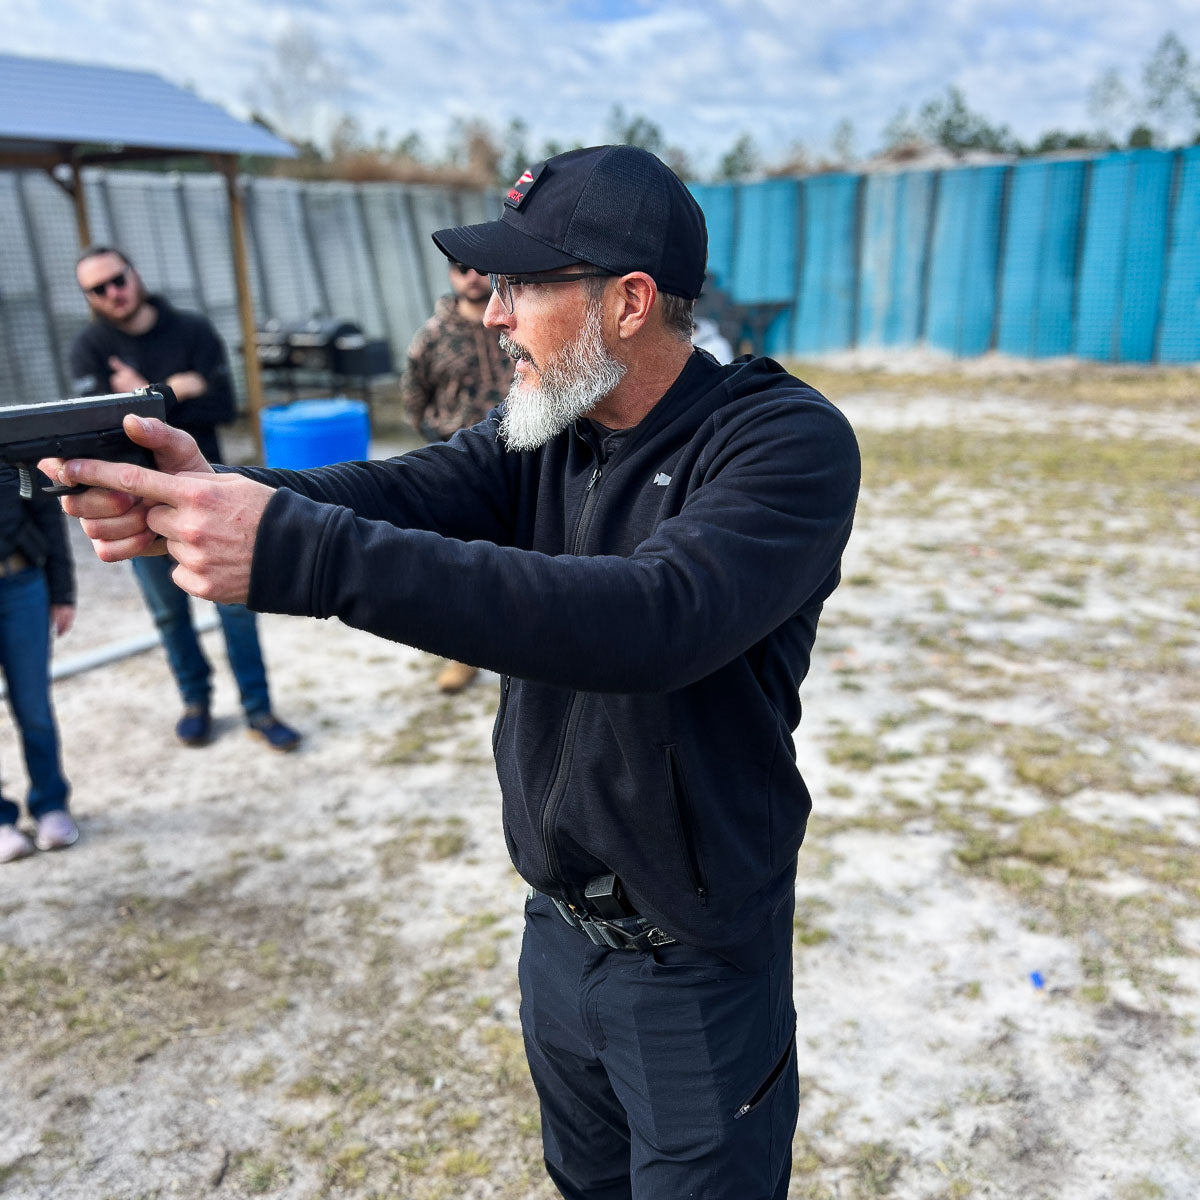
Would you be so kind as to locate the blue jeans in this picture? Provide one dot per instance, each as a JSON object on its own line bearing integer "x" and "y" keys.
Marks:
{"x": 660, "y": 1073}
{"x": 171, "y": 609}
{"x": 25, "y": 659}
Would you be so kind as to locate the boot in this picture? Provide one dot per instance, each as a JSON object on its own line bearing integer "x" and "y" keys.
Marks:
{"x": 455, "y": 676}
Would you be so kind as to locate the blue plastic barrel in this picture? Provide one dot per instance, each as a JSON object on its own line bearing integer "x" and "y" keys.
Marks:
{"x": 314, "y": 433}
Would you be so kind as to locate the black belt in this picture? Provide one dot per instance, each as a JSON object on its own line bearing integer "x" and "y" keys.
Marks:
{"x": 623, "y": 933}
{"x": 12, "y": 564}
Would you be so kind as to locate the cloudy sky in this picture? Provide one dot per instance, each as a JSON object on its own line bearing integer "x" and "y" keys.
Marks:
{"x": 787, "y": 71}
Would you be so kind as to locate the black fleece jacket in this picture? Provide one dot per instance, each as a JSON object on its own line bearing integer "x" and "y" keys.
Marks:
{"x": 177, "y": 341}
{"x": 652, "y": 620}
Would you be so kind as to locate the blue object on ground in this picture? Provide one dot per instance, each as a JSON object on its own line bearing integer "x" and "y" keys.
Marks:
{"x": 315, "y": 433}
{"x": 1035, "y": 977}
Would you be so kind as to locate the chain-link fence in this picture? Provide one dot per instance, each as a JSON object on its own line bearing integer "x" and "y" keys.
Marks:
{"x": 1097, "y": 258}
{"x": 360, "y": 252}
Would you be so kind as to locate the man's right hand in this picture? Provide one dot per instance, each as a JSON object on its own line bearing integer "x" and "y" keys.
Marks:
{"x": 118, "y": 519}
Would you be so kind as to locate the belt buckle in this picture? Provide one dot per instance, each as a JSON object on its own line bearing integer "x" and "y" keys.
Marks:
{"x": 567, "y": 913}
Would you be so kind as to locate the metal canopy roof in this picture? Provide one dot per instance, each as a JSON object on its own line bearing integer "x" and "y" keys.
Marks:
{"x": 46, "y": 106}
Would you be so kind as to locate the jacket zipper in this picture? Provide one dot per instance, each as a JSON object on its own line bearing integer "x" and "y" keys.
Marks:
{"x": 502, "y": 712}
{"x": 558, "y": 783}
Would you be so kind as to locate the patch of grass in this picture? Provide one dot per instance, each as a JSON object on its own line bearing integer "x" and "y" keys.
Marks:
{"x": 506, "y": 1052}
{"x": 9, "y": 1172}
{"x": 1050, "y": 860}
{"x": 1058, "y": 768}
{"x": 398, "y": 856}
{"x": 259, "y": 1076}
{"x": 955, "y": 779}
{"x": 1085, "y": 850}
{"x": 309, "y": 1087}
{"x": 259, "y": 1173}
{"x": 349, "y": 1166}
{"x": 1058, "y": 599}
{"x": 1141, "y": 1188}
{"x": 874, "y": 1169}
{"x": 861, "y": 751}
{"x": 470, "y": 1163}
{"x": 450, "y": 841}
{"x": 416, "y": 741}
{"x": 805, "y": 931}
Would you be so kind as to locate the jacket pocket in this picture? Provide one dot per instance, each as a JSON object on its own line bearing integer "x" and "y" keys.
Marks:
{"x": 501, "y": 709}
{"x": 685, "y": 831}
{"x": 764, "y": 1089}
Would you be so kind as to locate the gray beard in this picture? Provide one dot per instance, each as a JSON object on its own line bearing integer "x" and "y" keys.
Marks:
{"x": 569, "y": 386}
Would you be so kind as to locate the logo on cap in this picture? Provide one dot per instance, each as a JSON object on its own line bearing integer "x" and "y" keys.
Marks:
{"x": 520, "y": 190}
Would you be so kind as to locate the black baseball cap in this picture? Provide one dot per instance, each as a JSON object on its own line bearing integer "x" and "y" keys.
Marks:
{"x": 616, "y": 207}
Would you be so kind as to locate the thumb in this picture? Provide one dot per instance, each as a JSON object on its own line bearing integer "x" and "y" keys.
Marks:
{"x": 174, "y": 450}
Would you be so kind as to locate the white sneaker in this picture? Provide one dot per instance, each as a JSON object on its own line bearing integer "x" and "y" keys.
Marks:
{"x": 13, "y": 844}
{"x": 56, "y": 830}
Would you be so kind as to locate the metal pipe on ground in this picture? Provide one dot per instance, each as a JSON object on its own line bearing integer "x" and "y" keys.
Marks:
{"x": 115, "y": 651}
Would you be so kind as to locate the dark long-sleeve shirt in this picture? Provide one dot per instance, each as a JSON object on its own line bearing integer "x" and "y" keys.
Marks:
{"x": 178, "y": 341}
{"x": 37, "y": 528}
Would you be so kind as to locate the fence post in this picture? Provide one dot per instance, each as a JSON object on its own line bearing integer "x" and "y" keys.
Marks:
{"x": 227, "y": 165}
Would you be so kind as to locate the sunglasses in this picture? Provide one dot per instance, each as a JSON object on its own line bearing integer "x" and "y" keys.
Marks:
{"x": 462, "y": 268}
{"x": 101, "y": 289}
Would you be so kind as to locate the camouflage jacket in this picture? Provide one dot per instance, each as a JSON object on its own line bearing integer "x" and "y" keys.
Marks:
{"x": 456, "y": 373}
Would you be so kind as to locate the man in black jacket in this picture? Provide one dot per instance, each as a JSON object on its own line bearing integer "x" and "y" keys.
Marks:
{"x": 640, "y": 542}
{"x": 139, "y": 339}
{"x": 37, "y": 601}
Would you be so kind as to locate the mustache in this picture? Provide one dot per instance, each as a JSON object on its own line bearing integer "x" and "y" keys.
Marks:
{"x": 515, "y": 350}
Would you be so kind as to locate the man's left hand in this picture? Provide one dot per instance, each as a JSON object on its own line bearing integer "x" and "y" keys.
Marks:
{"x": 209, "y": 522}
{"x": 62, "y": 617}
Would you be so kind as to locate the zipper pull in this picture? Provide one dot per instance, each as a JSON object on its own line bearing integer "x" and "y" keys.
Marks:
{"x": 594, "y": 479}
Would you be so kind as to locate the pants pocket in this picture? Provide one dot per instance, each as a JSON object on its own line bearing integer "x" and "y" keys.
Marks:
{"x": 773, "y": 1077}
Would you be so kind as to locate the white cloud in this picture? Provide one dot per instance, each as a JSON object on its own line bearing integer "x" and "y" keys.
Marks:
{"x": 704, "y": 70}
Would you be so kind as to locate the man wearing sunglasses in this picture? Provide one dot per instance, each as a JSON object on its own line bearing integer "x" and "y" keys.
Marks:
{"x": 456, "y": 375}
{"x": 639, "y": 541}
{"x": 138, "y": 339}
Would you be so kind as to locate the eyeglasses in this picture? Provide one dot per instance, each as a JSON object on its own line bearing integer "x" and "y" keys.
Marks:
{"x": 503, "y": 285}
{"x": 100, "y": 289}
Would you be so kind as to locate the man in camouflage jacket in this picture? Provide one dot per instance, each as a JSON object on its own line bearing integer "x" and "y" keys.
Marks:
{"x": 456, "y": 372}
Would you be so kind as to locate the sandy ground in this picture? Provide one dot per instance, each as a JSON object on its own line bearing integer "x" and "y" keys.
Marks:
{"x": 294, "y": 976}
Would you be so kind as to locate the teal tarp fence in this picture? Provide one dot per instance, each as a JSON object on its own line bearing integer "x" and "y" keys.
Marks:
{"x": 825, "y": 315}
{"x": 892, "y": 261}
{"x": 964, "y": 260}
{"x": 1179, "y": 332}
{"x": 1098, "y": 258}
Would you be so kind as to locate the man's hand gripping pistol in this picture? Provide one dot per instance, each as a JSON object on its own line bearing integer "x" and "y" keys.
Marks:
{"x": 82, "y": 427}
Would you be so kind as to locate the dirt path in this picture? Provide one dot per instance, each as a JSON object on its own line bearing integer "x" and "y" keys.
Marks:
{"x": 294, "y": 976}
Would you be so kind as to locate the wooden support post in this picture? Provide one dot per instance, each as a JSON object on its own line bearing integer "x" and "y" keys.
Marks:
{"x": 79, "y": 199}
{"x": 227, "y": 165}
